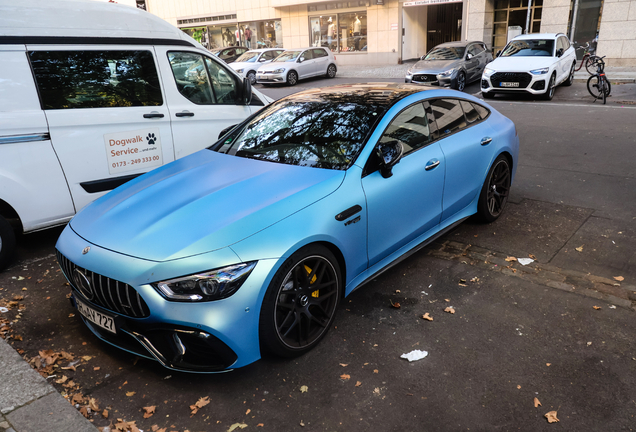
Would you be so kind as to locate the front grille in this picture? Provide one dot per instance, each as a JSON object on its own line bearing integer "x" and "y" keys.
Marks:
{"x": 522, "y": 78}
{"x": 108, "y": 293}
{"x": 425, "y": 78}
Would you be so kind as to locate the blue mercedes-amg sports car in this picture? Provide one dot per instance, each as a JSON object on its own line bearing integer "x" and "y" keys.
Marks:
{"x": 249, "y": 245}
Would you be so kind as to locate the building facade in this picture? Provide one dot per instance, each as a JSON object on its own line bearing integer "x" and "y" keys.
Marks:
{"x": 391, "y": 31}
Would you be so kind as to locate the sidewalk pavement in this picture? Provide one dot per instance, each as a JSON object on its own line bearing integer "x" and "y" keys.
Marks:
{"x": 28, "y": 403}
{"x": 622, "y": 75}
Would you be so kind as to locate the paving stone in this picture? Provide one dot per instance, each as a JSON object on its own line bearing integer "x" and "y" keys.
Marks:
{"x": 52, "y": 413}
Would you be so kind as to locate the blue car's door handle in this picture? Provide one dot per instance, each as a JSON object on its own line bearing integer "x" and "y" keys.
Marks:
{"x": 431, "y": 164}
{"x": 486, "y": 140}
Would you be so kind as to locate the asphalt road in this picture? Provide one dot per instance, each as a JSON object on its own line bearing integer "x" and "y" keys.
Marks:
{"x": 560, "y": 330}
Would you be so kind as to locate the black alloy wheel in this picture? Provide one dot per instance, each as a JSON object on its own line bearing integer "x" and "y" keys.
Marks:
{"x": 251, "y": 75}
{"x": 292, "y": 78}
{"x": 549, "y": 93}
{"x": 460, "y": 82}
{"x": 301, "y": 301}
{"x": 331, "y": 71}
{"x": 494, "y": 193}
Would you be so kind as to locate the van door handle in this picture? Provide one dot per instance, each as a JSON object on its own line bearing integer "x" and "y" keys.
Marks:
{"x": 184, "y": 114}
{"x": 153, "y": 115}
{"x": 486, "y": 140}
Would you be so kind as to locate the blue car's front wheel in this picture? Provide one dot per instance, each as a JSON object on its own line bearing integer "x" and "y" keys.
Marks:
{"x": 301, "y": 301}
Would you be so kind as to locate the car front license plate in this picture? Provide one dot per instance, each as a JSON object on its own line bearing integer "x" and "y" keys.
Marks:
{"x": 104, "y": 321}
{"x": 510, "y": 84}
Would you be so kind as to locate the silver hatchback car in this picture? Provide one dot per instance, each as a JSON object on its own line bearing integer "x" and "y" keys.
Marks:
{"x": 452, "y": 64}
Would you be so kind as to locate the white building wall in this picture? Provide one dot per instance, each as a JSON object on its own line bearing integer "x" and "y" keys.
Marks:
{"x": 617, "y": 36}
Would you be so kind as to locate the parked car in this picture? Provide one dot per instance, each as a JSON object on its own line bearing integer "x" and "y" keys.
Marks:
{"x": 90, "y": 100}
{"x": 297, "y": 64}
{"x": 531, "y": 63}
{"x": 250, "y": 245}
{"x": 229, "y": 54}
{"x": 452, "y": 64}
{"x": 249, "y": 62}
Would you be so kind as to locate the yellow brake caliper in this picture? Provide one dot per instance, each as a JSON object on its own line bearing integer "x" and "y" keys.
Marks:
{"x": 313, "y": 280}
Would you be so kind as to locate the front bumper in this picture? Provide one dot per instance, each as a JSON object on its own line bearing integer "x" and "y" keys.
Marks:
{"x": 515, "y": 82}
{"x": 270, "y": 78}
{"x": 430, "y": 80}
{"x": 194, "y": 336}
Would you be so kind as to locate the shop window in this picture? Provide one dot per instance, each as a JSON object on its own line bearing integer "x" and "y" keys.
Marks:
{"x": 96, "y": 79}
{"x": 261, "y": 34}
{"x": 346, "y": 32}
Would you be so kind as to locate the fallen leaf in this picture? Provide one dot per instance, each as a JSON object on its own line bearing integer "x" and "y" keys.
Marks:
{"x": 358, "y": 383}
{"x": 589, "y": 343}
{"x": 105, "y": 413}
{"x": 511, "y": 259}
{"x": 579, "y": 249}
{"x": 92, "y": 404}
{"x": 426, "y": 316}
{"x": 375, "y": 371}
{"x": 619, "y": 278}
{"x": 236, "y": 426}
{"x": 84, "y": 411}
{"x": 344, "y": 364}
{"x": 376, "y": 391}
{"x": 395, "y": 305}
{"x": 552, "y": 417}
{"x": 462, "y": 282}
{"x": 199, "y": 404}
{"x": 449, "y": 310}
{"x": 345, "y": 377}
{"x": 596, "y": 307}
{"x": 548, "y": 364}
{"x": 62, "y": 380}
{"x": 149, "y": 411}
{"x": 260, "y": 425}
{"x": 537, "y": 403}
{"x": 302, "y": 424}
{"x": 96, "y": 368}
{"x": 130, "y": 393}
{"x": 86, "y": 358}
{"x": 397, "y": 291}
{"x": 447, "y": 300}
{"x": 248, "y": 411}
{"x": 532, "y": 256}
{"x": 304, "y": 389}
{"x": 518, "y": 387}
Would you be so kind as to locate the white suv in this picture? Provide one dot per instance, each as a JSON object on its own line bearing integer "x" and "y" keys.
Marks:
{"x": 530, "y": 63}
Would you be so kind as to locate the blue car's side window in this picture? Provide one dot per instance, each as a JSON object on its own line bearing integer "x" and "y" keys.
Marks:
{"x": 449, "y": 116}
{"x": 410, "y": 127}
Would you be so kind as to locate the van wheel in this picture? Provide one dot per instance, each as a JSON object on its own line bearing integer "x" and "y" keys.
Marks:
{"x": 292, "y": 78}
{"x": 7, "y": 242}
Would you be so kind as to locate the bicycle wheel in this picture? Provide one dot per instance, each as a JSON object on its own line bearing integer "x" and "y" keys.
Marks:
{"x": 590, "y": 64}
{"x": 594, "y": 86}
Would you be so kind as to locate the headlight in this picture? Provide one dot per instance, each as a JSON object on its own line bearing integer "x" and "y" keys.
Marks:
{"x": 213, "y": 285}
{"x": 239, "y": 70}
{"x": 281, "y": 70}
{"x": 409, "y": 73}
{"x": 446, "y": 73}
{"x": 540, "y": 71}
{"x": 488, "y": 72}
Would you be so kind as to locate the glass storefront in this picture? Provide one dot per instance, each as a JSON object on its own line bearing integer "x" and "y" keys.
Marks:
{"x": 511, "y": 17}
{"x": 261, "y": 34}
{"x": 345, "y": 32}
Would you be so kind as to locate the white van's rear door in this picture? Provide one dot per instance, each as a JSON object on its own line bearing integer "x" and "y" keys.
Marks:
{"x": 202, "y": 97}
{"x": 107, "y": 114}
{"x": 31, "y": 180}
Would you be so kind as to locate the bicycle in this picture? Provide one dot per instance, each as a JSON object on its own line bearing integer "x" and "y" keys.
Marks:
{"x": 589, "y": 58}
{"x": 598, "y": 85}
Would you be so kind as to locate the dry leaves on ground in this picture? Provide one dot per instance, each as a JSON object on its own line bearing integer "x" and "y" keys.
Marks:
{"x": 358, "y": 383}
{"x": 619, "y": 278}
{"x": 597, "y": 307}
{"x": 427, "y": 317}
{"x": 537, "y": 403}
{"x": 579, "y": 249}
{"x": 124, "y": 426}
{"x": 345, "y": 377}
{"x": 449, "y": 309}
{"x": 395, "y": 305}
{"x": 236, "y": 426}
{"x": 149, "y": 411}
{"x": 131, "y": 393}
{"x": 552, "y": 417}
{"x": 511, "y": 259}
{"x": 304, "y": 389}
{"x": 199, "y": 404}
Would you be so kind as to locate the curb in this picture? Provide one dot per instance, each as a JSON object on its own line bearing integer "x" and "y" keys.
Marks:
{"x": 29, "y": 403}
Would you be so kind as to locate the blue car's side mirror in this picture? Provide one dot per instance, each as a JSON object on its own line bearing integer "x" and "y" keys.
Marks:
{"x": 389, "y": 153}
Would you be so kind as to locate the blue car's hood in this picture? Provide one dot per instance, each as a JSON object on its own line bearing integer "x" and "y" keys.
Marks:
{"x": 200, "y": 203}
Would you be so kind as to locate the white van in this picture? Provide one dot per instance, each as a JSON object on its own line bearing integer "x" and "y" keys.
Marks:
{"x": 93, "y": 94}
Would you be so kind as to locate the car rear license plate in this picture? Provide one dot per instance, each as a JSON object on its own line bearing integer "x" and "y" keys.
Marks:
{"x": 102, "y": 320}
{"x": 510, "y": 84}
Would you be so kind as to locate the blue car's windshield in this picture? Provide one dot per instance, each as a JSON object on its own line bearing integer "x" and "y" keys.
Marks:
{"x": 529, "y": 47}
{"x": 445, "y": 53}
{"x": 287, "y": 56}
{"x": 317, "y": 133}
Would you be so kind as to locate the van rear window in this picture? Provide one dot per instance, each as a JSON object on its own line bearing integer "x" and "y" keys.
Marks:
{"x": 96, "y": 79}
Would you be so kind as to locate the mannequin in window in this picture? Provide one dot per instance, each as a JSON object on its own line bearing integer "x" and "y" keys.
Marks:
{"x": 356, "y": 33}
{"x": 331, "y": 32}
{"x": 315, "y": 29}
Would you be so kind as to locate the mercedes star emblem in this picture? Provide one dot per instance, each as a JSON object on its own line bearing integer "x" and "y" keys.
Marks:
{"x": 86, "y": 249}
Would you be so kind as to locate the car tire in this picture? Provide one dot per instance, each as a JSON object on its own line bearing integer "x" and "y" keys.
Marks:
{"x": 294, "y": 316}
{"x": 292, "y": 78}
{"x": 494, "y": 192}
{"x": 251, "y": 75}
{"x": 331, "y": 71}
{"x": 549, "y": 93}
{"x": 460, "y": 82}
{"x": 7, "y": 243}
{"x": 570, "y": 79}
{"x": 488, "y": 95}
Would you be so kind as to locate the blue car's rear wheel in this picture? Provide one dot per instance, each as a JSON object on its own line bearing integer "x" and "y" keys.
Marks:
{"x": 494, "y": 192}
{"x": 301, "y": 301}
